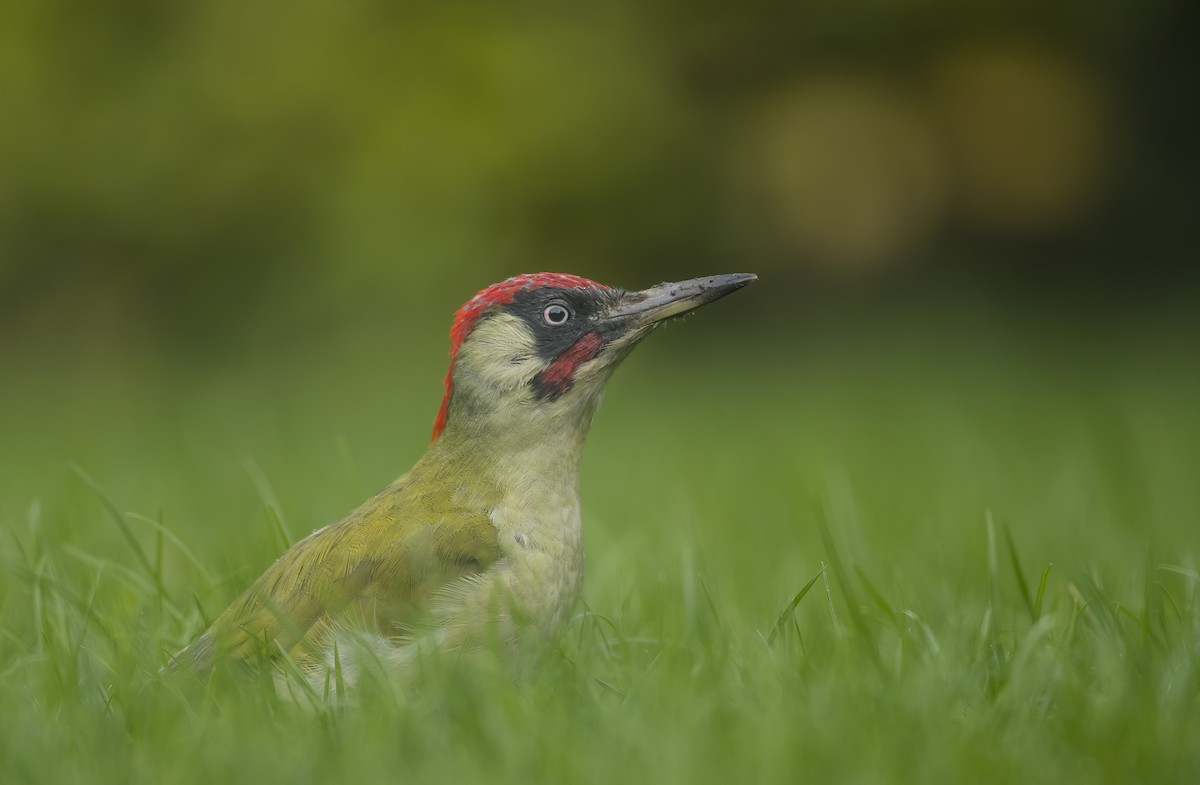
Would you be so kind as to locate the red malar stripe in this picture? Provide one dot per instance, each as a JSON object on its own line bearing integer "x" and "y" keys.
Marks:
{"x": 561, "y": 373}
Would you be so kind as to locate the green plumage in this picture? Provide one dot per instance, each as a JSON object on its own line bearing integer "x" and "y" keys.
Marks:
{"x": 376, "y": 569}
{"x": 483, "y": 537}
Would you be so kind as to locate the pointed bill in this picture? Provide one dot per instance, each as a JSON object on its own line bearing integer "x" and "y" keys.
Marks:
{"x": 672, "y": 299}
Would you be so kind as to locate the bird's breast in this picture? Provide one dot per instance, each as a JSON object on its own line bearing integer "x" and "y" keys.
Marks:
{"x": 542, "y": 568}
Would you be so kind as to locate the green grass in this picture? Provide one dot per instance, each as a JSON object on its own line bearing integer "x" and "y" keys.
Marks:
{"x": 906, "y": 556}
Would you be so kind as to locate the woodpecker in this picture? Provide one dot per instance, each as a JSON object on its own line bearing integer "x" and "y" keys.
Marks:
{"x": 482, "y": 539}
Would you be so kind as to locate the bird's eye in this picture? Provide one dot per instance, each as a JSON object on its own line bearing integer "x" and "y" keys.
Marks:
{"x": 556, "y": 314}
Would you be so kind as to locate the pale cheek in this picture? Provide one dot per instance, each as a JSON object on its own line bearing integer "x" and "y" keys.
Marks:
{"x": 512, "y": 376}
{"x": 501, "y": 353}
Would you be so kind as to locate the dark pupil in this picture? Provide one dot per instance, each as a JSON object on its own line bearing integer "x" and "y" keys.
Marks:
{"x": 556, "y": 314}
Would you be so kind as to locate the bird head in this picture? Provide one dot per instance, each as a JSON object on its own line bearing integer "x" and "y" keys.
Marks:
{"x": 531, "y": 355}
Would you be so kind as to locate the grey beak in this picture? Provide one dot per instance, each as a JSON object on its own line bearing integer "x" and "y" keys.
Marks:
{"x": 671, "y": 299}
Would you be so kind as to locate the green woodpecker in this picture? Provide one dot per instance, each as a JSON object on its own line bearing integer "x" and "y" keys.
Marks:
{"x": 481, "y": 540}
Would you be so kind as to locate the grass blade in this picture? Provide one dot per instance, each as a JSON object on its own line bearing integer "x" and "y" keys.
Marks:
{"x": 179, "y": 544}
{"x": 119, "y": 519}
{"x": 852, "y": 606}
{"x": 875, "y": 594}
{"x": 791, "y": 607}
{"x": 1016, "y": 565}
{"x": 337, "y": 672}
{"x": 267, "y": 494}
{"x": 1041, "y": 593}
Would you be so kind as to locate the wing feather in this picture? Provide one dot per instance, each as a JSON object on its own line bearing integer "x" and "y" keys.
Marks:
{"x": 378, "y": 566}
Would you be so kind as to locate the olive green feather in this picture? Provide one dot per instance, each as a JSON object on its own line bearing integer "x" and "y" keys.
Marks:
{"x": 377, "y": 569}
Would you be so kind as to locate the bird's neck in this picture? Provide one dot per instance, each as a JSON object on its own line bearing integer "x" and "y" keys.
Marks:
{"x": 529, "y": 458}
{"x": 537, "y": 439}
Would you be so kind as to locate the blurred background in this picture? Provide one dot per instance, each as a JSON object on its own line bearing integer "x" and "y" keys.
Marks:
{"x": 237, "y": 229}
{"x": 191, "y": 176}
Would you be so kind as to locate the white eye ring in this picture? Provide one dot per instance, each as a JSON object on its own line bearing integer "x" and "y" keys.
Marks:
{"x": 556, "y": 314}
